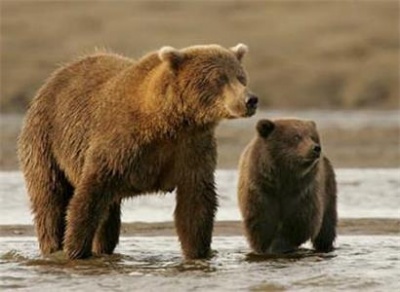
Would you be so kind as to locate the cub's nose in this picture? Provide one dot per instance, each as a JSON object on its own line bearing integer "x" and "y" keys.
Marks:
{"x": 317, "y": 149}
{"x": 252, "y": 101}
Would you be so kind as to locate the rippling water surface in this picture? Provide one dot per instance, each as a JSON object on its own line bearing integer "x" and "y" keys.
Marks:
{"x": 155, "y": 264}
{"x": 369, "y": 263}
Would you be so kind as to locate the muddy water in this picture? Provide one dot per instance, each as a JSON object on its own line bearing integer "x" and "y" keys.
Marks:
{"x": 155, "y": 264}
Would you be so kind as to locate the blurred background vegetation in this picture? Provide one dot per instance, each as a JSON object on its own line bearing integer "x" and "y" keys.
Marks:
{"x": 321, "y": 55}
{"x": 303, "y": 54}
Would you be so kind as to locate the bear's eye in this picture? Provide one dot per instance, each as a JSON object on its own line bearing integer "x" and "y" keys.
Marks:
{"x": 222, "y": 80}
{"x": 242, "y": 79}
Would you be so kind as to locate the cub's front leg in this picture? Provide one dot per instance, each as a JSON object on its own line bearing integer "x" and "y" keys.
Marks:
{"x": 260, "y": 218}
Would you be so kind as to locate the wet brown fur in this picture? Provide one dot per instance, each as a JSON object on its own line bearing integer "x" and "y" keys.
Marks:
{"x": 106, "y": 127}
{"x": 286, "y": 197}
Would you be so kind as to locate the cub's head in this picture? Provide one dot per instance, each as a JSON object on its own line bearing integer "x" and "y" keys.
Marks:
{"x": 211, "y": 81}
{"x": 292, "y": 143}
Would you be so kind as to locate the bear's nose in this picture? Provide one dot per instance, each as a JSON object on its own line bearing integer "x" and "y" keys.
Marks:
{"x": 252, "y": 101}
{"x": 317, "y": 149}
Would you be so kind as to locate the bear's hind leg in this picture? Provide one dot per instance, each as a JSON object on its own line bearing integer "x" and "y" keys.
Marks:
{"x": 107, "y": 235}
{"x": 50, "y": 193}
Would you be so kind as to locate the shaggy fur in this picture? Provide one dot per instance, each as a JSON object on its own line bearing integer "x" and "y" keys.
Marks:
{"x": 287, "y": 188}
{"x": 107, "y": 127}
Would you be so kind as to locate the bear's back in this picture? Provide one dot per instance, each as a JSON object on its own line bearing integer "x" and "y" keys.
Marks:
{"x": 83, "y": 76}
{"x": 71, "y": 94}
{"x": 63, "y": 109}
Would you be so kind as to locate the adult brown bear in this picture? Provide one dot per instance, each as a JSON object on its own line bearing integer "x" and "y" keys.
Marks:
{"x": 106, "y": 127}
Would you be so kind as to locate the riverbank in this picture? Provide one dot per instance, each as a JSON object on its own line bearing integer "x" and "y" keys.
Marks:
{"x": 351, "y": 139}
{"x": 346, "y": 226}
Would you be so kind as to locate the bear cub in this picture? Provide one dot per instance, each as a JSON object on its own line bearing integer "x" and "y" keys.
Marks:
{"x": 287, "y": 188}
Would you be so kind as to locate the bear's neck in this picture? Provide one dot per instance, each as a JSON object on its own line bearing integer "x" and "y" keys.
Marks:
{"x": 153, "y": 94}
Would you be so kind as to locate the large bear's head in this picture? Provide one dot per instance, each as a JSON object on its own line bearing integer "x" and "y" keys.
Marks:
{"x": 210, "y": 81}
{"x": 291, "y": 143}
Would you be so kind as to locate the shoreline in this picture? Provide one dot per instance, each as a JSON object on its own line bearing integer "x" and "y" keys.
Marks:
{"x": 346, "y": 226}
{"x": 351, "y": 139}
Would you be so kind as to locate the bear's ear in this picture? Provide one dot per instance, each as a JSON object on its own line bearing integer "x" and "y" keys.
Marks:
{"x": 265, "y": 127}
{"x": 171, "y": 55}
{"x": 239, "y": 50}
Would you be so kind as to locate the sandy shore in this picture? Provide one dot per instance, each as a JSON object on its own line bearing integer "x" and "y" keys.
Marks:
{"x": 359, "y": 226}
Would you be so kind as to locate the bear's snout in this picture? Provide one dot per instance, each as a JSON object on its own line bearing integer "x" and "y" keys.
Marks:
{"x": 252, "y": 101}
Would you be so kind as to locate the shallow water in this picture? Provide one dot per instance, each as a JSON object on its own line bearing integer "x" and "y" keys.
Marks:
{"x": 361, "y": 192}
{"x": 369, "y": 263}
{"x": 155, "y": 264}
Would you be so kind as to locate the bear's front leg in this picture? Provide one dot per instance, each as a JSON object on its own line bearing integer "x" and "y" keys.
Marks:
{"x": 88, "y": 205}
{"x": 194, "y": 215}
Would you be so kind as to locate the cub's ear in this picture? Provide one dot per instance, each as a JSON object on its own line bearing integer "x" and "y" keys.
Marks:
{"x": 265, "y": 127}
{"x": 313, "y": 124}
{"x": 171, "y": 55}
{"x": 239, "y": 50}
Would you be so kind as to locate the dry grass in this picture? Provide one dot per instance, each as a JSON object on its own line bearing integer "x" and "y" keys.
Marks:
{"x": 321, "y": 54}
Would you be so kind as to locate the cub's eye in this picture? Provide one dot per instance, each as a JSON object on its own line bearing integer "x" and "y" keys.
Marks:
{"x": 297, "y": 138}
{"x": 315, "y": 139}
{"x": 242, "y": 79}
